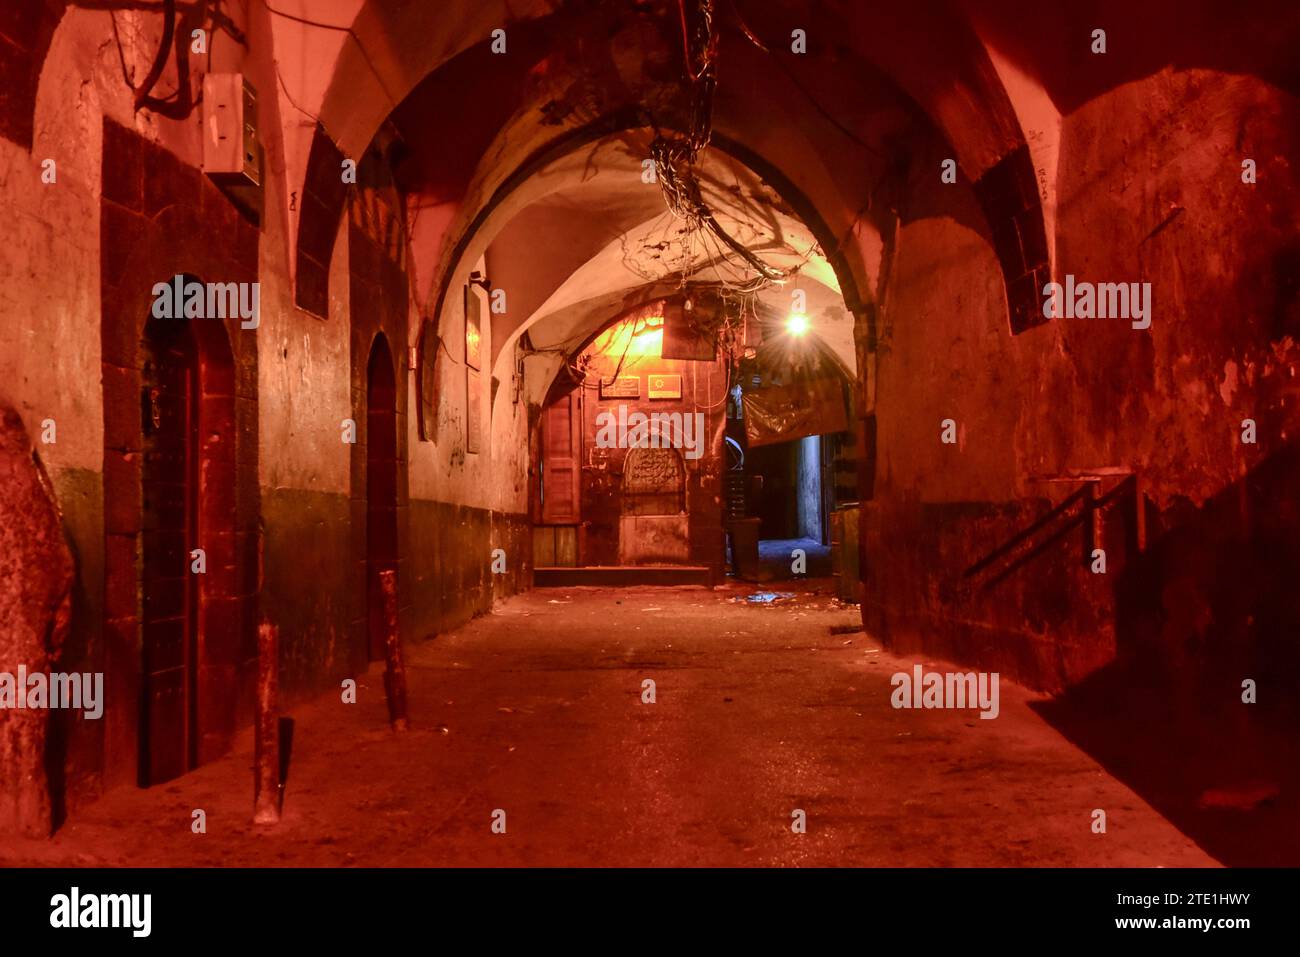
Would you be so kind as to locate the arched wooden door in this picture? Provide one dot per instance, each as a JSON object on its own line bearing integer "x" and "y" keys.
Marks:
{"x": 189, "y": 638}
{"x": 169, "y": 524}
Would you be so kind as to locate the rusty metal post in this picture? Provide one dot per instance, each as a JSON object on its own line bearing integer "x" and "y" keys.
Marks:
{"x": 266, "y": 773}
{"x": 394, "y": 672}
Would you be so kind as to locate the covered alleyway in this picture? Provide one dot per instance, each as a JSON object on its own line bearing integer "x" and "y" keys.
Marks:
{"x": 527, "y": 340}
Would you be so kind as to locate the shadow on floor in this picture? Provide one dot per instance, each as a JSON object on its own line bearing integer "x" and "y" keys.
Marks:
{"x": 1228, "y": 780}
{"x": 1211, "y": 604}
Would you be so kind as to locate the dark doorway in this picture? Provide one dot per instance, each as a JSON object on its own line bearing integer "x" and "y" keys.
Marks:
{"x": 790, "y": 493}
{"x": 169, "y": 591}
{"x": 381, "y": 487}
{"x": 785, "y": 494}
{"x": 187, "y": 477}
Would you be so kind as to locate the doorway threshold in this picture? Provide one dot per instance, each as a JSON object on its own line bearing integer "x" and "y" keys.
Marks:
{"x": 621, "y": 575}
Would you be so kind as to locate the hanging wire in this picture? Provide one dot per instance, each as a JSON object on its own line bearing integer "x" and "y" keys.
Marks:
{"x": 675, "y": 158}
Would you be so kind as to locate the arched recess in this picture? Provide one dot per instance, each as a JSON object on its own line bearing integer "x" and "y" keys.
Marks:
{"x": 652, "y": 522}
{"x": 378, "y": 296}
{"x": 26, "y": 29}
{"x": 563, "y": 163}
{"x": 553, "y": 167}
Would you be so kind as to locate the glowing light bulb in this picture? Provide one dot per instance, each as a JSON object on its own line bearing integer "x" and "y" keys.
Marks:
{"x": 796, "y": 324}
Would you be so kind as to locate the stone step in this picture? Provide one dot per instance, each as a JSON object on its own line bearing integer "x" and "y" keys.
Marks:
{"x": 621, "y": 575}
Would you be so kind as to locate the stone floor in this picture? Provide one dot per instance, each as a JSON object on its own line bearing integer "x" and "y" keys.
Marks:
{"x": 536, "y": 710}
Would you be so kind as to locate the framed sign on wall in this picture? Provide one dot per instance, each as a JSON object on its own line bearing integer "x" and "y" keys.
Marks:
{"x": 665, "y": 387}
{"x": 624, "y": 387}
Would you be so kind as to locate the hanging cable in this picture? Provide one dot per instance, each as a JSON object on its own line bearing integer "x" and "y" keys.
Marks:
{"x": 160, "y": 58}
{"x": 675, "y": 158}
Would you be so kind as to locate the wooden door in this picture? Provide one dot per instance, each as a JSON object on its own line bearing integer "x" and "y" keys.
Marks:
{"x": 561, "y": 461}
{"x": 169, "y": 530}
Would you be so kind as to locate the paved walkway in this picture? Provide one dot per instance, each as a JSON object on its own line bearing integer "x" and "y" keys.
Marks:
{"x": 537, "y": 710}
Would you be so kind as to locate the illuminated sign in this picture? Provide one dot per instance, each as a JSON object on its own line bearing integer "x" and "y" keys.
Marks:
{"x": 665, "y": 386}
{"x": 624, "y": 387}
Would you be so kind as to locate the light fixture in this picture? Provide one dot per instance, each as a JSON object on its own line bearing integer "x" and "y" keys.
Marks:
{"x": 632, "y": 337}
{"x": 796, "y": 324}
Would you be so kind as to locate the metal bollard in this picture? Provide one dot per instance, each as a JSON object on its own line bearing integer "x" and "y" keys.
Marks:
{"x": 394, "y": 673}
{"x": 266, "y": 771}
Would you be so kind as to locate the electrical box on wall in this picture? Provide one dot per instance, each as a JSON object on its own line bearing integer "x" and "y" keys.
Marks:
{"x": 230, "y": 148}
{"x": 690, "y": 329}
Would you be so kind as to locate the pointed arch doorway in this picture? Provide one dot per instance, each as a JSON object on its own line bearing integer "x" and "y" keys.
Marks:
{"x": 189, "y": 645}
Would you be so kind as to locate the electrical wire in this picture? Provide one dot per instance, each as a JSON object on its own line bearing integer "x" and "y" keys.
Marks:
{"x": 305, "y": 21}
{"x": 365, "y": 54}
{"x": 623, "y": 358}
{"x": 675, "y": 157}
{"x": 160, "y": 58}
{"x": 180, "y": 103}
